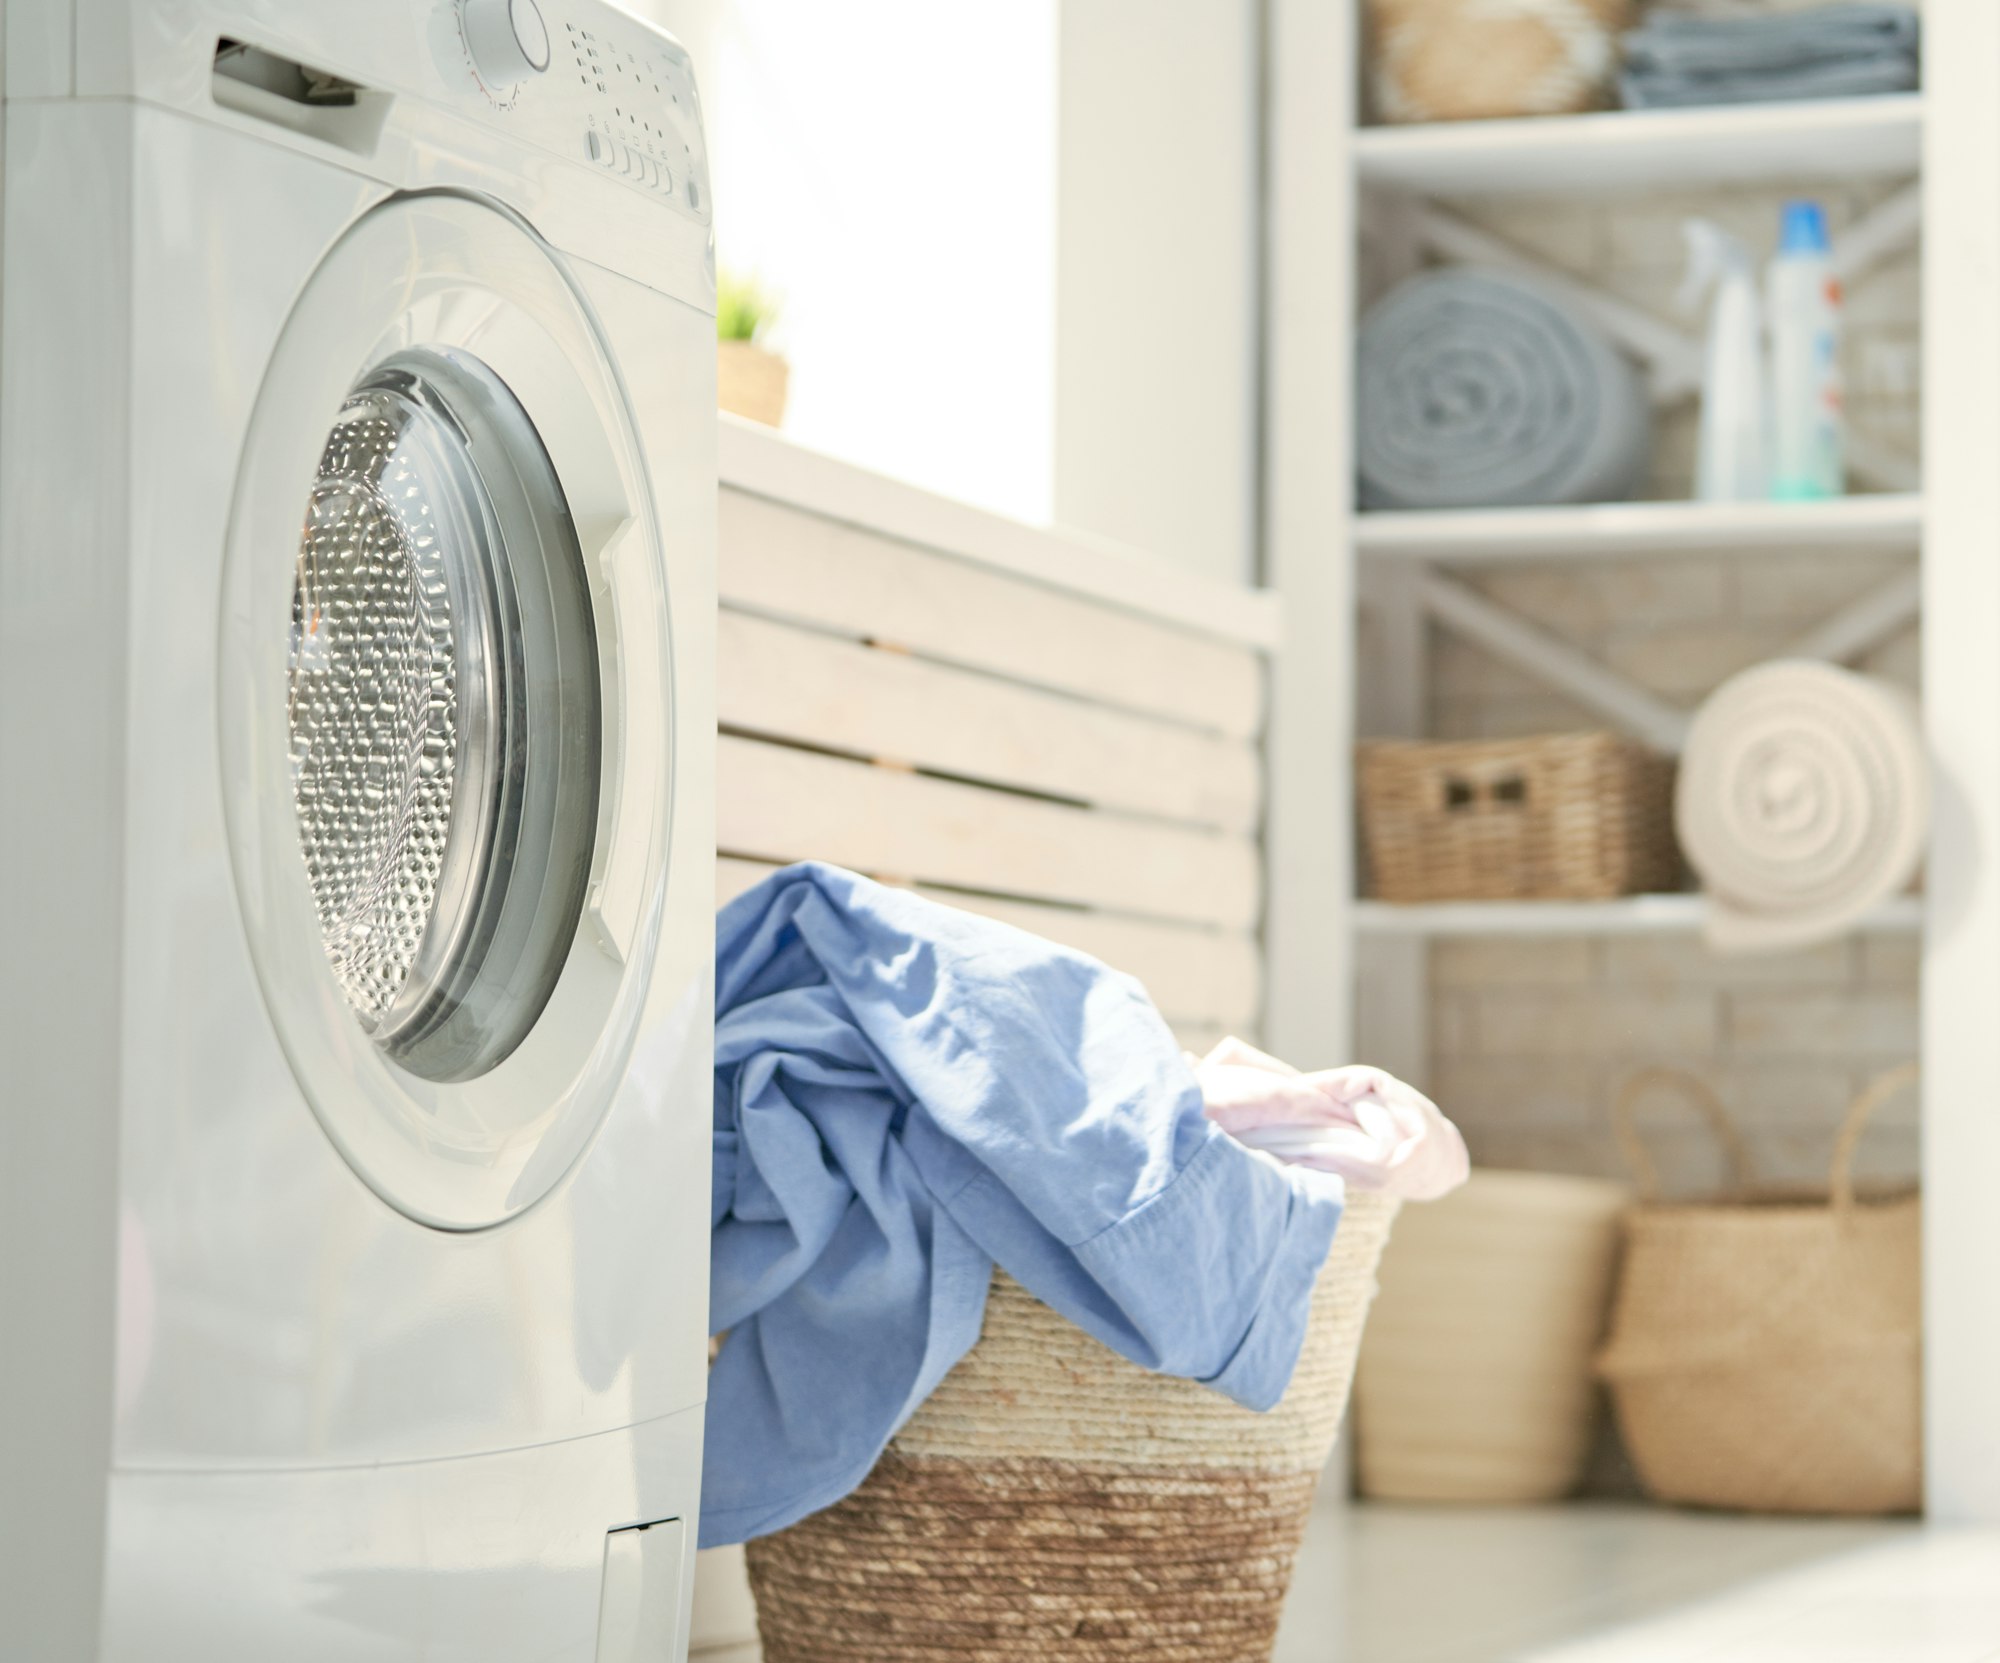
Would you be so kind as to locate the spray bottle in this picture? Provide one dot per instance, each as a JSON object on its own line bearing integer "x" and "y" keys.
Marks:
{"x": 1806, "y": 462}
{"x": 1729, "y": 465}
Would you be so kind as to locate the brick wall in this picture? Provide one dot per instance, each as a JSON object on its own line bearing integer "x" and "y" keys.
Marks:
{"x": 1530, "y": 1038}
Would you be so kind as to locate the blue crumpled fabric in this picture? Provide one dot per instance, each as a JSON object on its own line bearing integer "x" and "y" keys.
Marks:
{"x": 906, "y": 1095}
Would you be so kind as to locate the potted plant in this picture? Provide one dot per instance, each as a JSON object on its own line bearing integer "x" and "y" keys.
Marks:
{"x": 750, "y": 377}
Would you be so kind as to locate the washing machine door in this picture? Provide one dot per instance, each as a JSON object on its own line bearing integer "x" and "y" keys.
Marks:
{"x": 444, "y": 709}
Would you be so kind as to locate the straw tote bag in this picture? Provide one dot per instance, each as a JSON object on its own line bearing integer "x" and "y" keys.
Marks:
{"x": 1765, "y": 1351}
{"x": 1052, "y": 1500}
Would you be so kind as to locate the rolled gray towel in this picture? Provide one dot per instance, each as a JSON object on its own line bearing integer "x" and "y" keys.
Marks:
{"x": 1483, "y": 389}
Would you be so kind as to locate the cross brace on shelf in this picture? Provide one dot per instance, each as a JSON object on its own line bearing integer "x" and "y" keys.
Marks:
{"x": 1846, "y": 634}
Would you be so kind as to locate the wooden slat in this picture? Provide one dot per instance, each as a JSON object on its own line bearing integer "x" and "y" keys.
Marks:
{"x": 760, "y": 463}
{"x": 1195, "y": 975}
{"x": 776, "y": 803}
{"x": 783, "y": 563}
{"x": 797, "y": 684}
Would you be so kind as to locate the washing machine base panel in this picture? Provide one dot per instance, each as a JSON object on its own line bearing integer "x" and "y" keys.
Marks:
{"x": 529, "y": 1554}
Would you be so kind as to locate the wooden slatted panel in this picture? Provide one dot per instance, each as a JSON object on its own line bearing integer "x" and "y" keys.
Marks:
{"x": 787, "y": 564}
{"x": 799, "y": 684}
{"x": 1204, "y": 978}
{"x": 780, "y": 804}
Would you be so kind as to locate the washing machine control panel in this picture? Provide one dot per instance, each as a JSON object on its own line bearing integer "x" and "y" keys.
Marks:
{"x": 589, "y": 84}
{"x": 641, "y": 120}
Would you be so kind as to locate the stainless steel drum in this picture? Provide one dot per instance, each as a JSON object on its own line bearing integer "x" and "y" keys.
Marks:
{"x": 444, "y": 714}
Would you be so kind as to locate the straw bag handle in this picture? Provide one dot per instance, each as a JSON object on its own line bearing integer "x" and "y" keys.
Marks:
{"x": 1694, "y": 1089}
{"x": 1877, "y": 1092}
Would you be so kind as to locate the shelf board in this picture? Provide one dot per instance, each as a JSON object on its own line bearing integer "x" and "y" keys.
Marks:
{"x": 1629, "y": 915}
{"x": 1633, "y": 530}
{"x": 1629, "y": 150}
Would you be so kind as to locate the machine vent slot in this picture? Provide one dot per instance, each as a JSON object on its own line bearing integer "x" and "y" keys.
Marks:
{"x": 268, "y": 86}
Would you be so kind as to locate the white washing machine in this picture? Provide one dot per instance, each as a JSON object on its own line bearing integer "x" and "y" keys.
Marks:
{"x": 357, "y": 480}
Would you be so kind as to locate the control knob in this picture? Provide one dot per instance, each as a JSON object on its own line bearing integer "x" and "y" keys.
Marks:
{"x": 508, "y": 41}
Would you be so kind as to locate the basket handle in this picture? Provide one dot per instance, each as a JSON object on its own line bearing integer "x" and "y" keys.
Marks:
{"x": 1692, "y": 1089}
{"x": 1873, "y": 1095}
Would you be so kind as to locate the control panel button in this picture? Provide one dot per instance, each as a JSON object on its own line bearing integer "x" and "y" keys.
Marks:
{"x": 628, "y": 163}
{"x": 508, "y": 41}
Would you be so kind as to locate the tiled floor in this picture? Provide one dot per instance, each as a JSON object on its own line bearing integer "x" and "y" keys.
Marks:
{"x": 1615, "y": 1584}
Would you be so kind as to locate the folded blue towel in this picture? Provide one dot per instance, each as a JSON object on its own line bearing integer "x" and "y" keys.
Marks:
{"x": 1833, "y": 51}
{"x": 1859, "y": 78}
{"x": 1671, "y": 43}
{"x": 906, "y": 1095}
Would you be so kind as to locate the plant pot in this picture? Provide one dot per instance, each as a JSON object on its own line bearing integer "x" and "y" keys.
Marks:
{"x": 751, "y": 382}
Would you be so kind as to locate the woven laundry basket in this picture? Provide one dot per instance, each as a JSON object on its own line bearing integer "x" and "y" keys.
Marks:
{"x": 1575, "y": 816}
{"x": 1475, "y": 1381}
{"x": 1052, "y": 1500}
{"x": 1461, "y": 60}
{"x": 1764, "y": 1353}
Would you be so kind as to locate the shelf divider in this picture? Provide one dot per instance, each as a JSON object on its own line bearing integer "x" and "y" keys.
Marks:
{"x": 1628, "y": 915}
{"x": 1888, "y": 523}
{"x": 1633, "y": 150}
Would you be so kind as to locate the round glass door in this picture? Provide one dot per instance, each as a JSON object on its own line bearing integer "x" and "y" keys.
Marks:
{"x": 443, "y": 711}
{"x": 444, "y": 690}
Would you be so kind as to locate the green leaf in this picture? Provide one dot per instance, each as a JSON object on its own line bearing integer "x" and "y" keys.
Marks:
{"x": 743, "y": 308}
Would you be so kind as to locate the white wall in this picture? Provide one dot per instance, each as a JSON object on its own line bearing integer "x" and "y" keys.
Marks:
{"x": 1157, "y": 277}
{"x": 890, "y": 171}
{"x": 1017, "y": 242}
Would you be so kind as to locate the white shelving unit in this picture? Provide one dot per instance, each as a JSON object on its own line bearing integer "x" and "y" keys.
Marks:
{"x": 1401, "y": 169}
{"x": 1332, "y": 182}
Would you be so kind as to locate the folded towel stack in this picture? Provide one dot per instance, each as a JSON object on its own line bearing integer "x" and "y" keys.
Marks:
{"x": 1840, "y": 51}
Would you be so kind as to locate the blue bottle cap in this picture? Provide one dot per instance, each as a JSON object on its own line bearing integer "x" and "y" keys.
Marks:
{"x": 1804, "y": 229}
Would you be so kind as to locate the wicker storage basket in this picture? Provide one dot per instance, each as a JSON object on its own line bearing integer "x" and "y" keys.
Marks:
{"x": 1764, "y": 1354}
{"x": 1052, "y": 1500}
{"x": 1460, "y": 60}
{"x": 1475, "y": 1381}
{"x": 1581, "y": 816}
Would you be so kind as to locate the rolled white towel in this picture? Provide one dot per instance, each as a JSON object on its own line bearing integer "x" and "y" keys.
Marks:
{"x": 1803, "y": 801}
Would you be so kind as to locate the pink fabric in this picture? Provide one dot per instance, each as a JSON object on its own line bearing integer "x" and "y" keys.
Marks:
{"x": 1364, "y": 1124}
